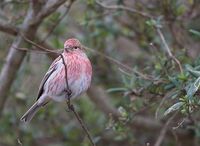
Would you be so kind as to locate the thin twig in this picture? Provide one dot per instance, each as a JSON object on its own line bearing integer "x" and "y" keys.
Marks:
{"x": 36, "y": 51}
{"x": 69, "y": 92}
{"x": 37, "y": 45}
{"x": 71, "y": 107}
{"x": 46, "y": 11}
{"x": 120, "y": 64}
{"x": 168, "y": 49}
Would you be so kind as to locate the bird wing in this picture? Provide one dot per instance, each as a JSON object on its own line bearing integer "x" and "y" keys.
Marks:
{"x": 51, "y": 69}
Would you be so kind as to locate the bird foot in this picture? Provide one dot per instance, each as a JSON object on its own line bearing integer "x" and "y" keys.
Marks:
{"x": 69, "y": 92}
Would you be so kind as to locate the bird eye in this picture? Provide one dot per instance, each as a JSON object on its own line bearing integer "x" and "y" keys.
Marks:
{"x": 75, "y": 47}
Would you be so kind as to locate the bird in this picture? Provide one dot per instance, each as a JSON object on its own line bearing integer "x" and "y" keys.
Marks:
{"x": 53, "y": 86}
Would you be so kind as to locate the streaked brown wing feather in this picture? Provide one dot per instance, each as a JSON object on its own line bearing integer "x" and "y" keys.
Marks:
{"x": 51, "y": 69}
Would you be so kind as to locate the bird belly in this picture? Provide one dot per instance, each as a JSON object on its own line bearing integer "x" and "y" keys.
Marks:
{"x": 77, "y": 87}
{"x": 80, "y": 85}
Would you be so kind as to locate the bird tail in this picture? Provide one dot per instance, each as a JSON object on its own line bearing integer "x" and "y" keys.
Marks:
{"x": 30, "y": 113}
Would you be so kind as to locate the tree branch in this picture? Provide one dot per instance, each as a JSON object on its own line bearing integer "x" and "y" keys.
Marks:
{"x": 48, "y": 9}
{"x": 14, "y": 60}
{"x": 9, "y": 29}
{"x": 128, "y": 68}
{"x": 166, "y": 47}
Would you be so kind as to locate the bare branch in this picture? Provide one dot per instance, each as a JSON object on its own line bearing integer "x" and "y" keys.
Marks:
{"x": 38, "y": 46}
{"x": 14, "y": 60}
{"x": 7, "y": 28}
{"x": 121, "y": 64}
{"x": 36, "y": 5}
{"x": 166, "y": 47}
{"x": 46, "y": 11}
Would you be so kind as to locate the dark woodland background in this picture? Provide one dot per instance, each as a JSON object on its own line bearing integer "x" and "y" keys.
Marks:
{"x": 146, "y": 67}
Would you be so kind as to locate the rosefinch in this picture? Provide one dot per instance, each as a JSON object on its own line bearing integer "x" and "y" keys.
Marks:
{"x": 53, "y": 86}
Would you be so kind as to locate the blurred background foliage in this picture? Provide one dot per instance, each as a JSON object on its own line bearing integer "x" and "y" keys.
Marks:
{"x": 158, "y": 104}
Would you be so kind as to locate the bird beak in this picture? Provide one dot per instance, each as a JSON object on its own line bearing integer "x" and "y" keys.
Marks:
{"x": 66, "y": 49}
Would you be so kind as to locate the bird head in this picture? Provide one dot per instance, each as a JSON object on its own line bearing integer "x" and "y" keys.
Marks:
{"x": 72, "y": 44}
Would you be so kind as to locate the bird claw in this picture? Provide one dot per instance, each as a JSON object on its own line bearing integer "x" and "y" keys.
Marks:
{"x": 69, "y": 92}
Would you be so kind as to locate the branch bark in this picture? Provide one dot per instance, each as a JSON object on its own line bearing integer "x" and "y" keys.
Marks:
{"x": 48, "y": 9}
{"x": 7, "y": 28}
{"x": 14, "y": 59}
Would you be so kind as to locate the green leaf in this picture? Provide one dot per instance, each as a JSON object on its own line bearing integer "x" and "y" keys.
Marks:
{"x": 197, "y": 33}
{"x": 173, "y": 108}
{"x": 120, "y": 89}
{"x": 174, "y": 81}
{"x": 151, "y": 22}
{"x": 169, "y": 86}
{"x": 125, "y": 80}
{"x": 193, "y": 88}
{"x": 182, "y": 77}
{"x": 158, "y": 66}
{"x": 192, "y": 71}
{"x": 122, "y": 111}
{"x": 181, "y": 10}
{"x": 191, "y": 2}
{"x": 90, "y": 2}
{"x": 132, "y": 81}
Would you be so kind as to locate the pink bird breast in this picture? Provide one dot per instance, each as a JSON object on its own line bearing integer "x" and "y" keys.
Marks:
{"x": 79, "y": 74}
